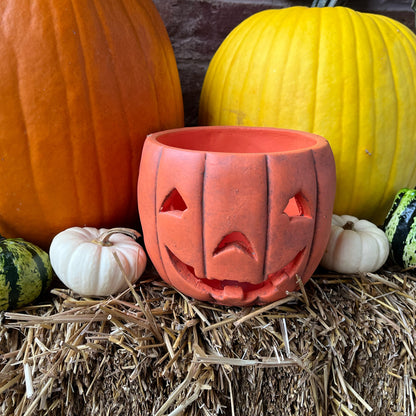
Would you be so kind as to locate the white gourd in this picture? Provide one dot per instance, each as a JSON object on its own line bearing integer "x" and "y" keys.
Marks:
{"x": 355, "y": 246}
{"x": 97, "y": 262}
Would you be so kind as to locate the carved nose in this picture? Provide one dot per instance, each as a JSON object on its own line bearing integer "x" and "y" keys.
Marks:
{"x": 235, "y": 241}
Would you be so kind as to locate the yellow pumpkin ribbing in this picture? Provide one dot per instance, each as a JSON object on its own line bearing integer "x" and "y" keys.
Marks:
{"x": 345, "y": 75}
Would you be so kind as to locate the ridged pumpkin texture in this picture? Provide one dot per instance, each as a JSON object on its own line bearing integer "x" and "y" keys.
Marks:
{"x": 82, "y": 83}
{"x": 347, "y": 76}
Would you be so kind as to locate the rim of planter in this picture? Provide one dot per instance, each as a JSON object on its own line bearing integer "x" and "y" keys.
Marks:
{"x": 238, "y": 139}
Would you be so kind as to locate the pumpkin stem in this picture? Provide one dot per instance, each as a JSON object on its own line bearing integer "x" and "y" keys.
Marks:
{"x": 104, "y": 238}
{"x": 328, "y": 3}
{"x": 349, "y": 225}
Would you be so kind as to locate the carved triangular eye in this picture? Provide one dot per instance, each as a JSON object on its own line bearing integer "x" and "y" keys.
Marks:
{"x": 173, "y": 202}
{"x": 297, "y": 207}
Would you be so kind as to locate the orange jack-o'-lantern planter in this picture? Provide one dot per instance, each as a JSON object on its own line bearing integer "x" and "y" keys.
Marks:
{"x": 234, "y": 215}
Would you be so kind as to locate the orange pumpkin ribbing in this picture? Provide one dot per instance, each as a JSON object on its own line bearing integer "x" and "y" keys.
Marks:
{"x": 82, "y": 84}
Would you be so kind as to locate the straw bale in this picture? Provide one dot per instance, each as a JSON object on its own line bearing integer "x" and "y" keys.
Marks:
{"x": 342, "y": 345}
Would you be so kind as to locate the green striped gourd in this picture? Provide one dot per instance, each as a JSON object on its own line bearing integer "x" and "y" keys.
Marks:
{"x": 25, "y": 272}
{"x": 400, "y": 228}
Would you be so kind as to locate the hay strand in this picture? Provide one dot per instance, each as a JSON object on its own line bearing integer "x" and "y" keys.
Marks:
{"x": 343, "y": 345}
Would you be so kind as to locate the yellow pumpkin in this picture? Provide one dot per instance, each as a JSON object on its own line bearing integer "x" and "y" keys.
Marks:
{"x": 345, "y": 75}
{"x": 82, "y": 83}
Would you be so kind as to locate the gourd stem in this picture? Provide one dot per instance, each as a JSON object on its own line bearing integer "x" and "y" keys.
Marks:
{"x": 104, "y": 238}
{"x": 349, "y": 225}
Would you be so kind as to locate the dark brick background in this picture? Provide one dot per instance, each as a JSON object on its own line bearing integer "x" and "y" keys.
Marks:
{"x": 197, "y": 27}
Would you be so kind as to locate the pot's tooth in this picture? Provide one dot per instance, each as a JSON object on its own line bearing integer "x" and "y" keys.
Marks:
{"x": 233, "y": 292}
{"x": 277, "y": 281}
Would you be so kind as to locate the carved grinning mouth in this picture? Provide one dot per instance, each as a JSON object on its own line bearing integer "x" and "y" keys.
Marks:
{"x": 226, "y": 290}
{"x": 241, "y": 290}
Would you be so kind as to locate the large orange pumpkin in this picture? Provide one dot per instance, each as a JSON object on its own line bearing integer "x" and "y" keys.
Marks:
{"x": 235, "y": 215}
{"x": 347, "y": 76}
{"x": 82, "y": 83}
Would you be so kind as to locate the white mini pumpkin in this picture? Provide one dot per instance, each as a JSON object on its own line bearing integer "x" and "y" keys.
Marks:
{"x": 85, "y": 259}
{"x": 355, "y": 246}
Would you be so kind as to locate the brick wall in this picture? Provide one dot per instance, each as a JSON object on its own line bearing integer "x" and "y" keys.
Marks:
{"x": 197, "y": 27}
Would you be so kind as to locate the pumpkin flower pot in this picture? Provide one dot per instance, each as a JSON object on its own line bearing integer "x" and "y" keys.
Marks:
{"x": 235, "y": 215}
